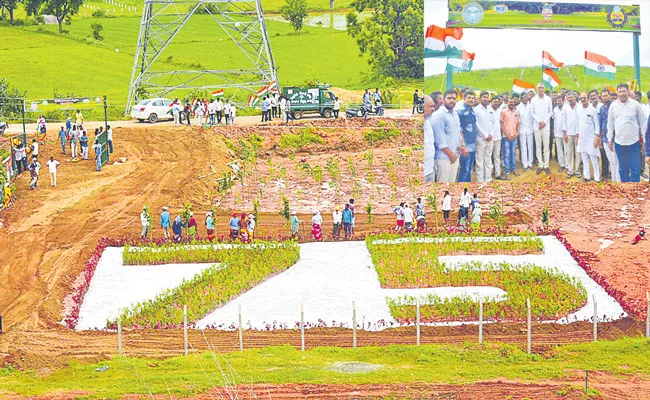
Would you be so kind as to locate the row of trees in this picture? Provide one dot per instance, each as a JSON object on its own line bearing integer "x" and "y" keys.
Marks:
{"x": 61, "y": 9}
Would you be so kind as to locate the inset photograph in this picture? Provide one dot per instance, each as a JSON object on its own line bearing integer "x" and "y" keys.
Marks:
{"x": 540, "y": 108}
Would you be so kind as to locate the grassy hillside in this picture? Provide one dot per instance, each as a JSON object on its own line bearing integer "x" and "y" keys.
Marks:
{"x": 501, "y": 79}
{"x": 36, "y": 59}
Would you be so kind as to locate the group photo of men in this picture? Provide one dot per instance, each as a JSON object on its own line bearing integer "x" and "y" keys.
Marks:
{"x": 595, "y": 135}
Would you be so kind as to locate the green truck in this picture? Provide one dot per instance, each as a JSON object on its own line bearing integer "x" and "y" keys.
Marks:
{"x": 310, "y": 100}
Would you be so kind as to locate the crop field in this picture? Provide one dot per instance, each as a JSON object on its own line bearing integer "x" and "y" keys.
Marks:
{"x": 500, "y": 80}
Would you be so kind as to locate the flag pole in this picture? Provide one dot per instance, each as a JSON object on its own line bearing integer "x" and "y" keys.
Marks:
{"x": 450, "y": 79}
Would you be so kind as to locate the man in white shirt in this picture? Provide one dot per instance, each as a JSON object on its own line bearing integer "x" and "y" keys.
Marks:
{"x": 52, "y": 165}
{"x": 496, "y": 138}
{"x": 226, "y": 111}
{"x": 429, "y": 142}
{"x": 526, "y": 135}
{"x": 176, "y": 112}
{"x": 624, "y": 130}
{"x": 570, "y": 133}
{"x": 465, "y": 199}
{"x": 484, "y": 140}
{"x": 218, "y": 109}
{"x": 558, "y": 134}
{"x": 337, "y": 220}
{"x": 588, "y": 138}
{"x": 542, "y": 110}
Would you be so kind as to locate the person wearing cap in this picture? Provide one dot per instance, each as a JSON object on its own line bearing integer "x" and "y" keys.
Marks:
{"x": 347, "y": 218}
{"x": 209, "y": 225}
{"x": 295, "y": 222}
{"x": 316, "y": 222}
{"x": 234, "y": 226}
{"x": 165, "y": 222}
{"x": 337, "y": 219}
{"x": 144, "y": 220}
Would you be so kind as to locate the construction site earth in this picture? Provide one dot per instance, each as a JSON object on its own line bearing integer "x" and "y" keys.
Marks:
{"x": 49, "y": 234}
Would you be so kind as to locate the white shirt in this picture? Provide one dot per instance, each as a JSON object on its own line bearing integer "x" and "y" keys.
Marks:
{"x": 624, "y": 122}
{"x": 465, "y": 199}
{"x": 571, "y": 118}
{"x": 283, "y": 104}
{"x": 227, "y": 108}
{"x": 484, "y": 121}
{"x": 143, "y": 219}
{"x": 429, "y": 147}
{"x": 274, "y": 101}
{"x": 558, "y": 122}
{"x": 337, "y": 104}
{"x": 218, "y": 106}
{"x": 52, "y": 164}
{"x": 109, "y": 134}
{"x": 587, "y": 123}
{"x": 211, "y": 108}
{"x": 408, "y": 214}
{"x": 542, "y": 109}
{"x": 525, "y": 119}
{"x": 459, "y": 105}
{"x": 233, "y": 111}
{"x": 476, "y": 215}
{"x": 317, "y": 219}
{"x": 496, "y": 124}
{"x": 446, "y": 203}
{"x": 337, "y": 217}
{"x": 35, "y": 151}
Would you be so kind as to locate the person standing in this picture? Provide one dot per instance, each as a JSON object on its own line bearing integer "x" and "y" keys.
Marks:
{"x": 34, "y": 169}
{"x": 218, "y": 109}
{"x": 337, "y": 220}
{"x": 78, "y": 118}
{"x": 295, "y": 223}
{"x": 419, "y": 208}
{"x": 233, "y": 114}
{"x": 199, "y": 112}
{"x": 316, "y": 223}
{"x": 63, "y": 137}
{"x": 234, "y": 226}
{"x": 484, "y": 140}
{"x": 408, "y": 218}
{"x": 624, "y": 127}
{"x": 176, "y": 112}
{"x": 526, "y": 135}
{"x": 337, "y": 107}
{"x": 416, "y": 100}
{"x": 98, "y": 154}
{"x": 464, "y": 203}
{"x": 273, "y": 99}
{"x": 212, "y": 112}
{"x": 226, "y": 111}
{"x": 265, "y": 109}
{"x": 209, "y": 225}
{"x": 603, "y": 113}
{"x": 467, "y": 118}
{"x": 20, "y": 155}
{"x": 542, "y": 110}
{"x": 74, "y": 141}
{"x": 250, "y": 224}
{"x": 52, "y": 165}
{"x": 448, "y": 139}
{"x": 429, "y": 141}
{"x": 144, "y": 221}
{"x": 476, "y": 217}
{"x": 346, "y": 217}
{"x": 283, "y": 106}
{"x": 192, "y": 227}
{"x": 83, "y": 140}
{"x": 165, "y": 222}
{"x": 399, "y": 220}
{"x": 446, "y": 207}
{"x": 35, "y": 144}
{"x": 187, "y": 109}
{"x": 354, "y": 215}
{"x": 558, "y": 133}
{"x": 287, "y": 110}
{"x": 496, "y": 139}
{"x": 570, "y": 133}
{"x": 510, "y": 125}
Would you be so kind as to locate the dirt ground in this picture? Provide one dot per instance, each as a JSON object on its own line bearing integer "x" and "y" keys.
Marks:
{"x": 50, "y": 233}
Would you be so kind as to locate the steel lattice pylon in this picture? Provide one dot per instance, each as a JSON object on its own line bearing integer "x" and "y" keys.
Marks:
{"x": 242, "y": 21}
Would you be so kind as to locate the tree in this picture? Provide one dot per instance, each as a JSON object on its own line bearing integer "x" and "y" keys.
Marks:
{"x": 61, "y": 9}
{"x": 11, "y": 100}
{"x": 10, "y": 6}
{"x": 392, "y": 37}
{"x": 97, "y": 31}
{"x": 32, "y": 6}
{"x": 295, "y": 12}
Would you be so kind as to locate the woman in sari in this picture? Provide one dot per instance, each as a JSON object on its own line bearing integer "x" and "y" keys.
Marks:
{"x": 192, "y": 227}
{"x": 316, "y": 222}
{"x": 243, "y": 232}
{"x": 209, "y": 225}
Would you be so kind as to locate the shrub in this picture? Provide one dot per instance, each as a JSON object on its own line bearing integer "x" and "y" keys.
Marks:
{"x": 97, "y": 31}
{"x": 299, "y": 140}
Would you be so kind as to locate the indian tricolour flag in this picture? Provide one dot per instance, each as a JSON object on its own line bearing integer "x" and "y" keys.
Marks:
{"x": 273, "y": 87}
{"x": 550, "y": 79}
{"x": 438, "y": 42}
{"x": 548, "y": 61}
{"x": 464, "y": 63}
{"x": 217, "y": 93}
{"x": 253, "y": 100}
{"x": 521, "y": 86}
{"x": 599, "y": 66}
{"x": 262, "y": 91}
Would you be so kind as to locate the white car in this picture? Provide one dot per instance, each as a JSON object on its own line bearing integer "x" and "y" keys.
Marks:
{"x": 152, "y": 110}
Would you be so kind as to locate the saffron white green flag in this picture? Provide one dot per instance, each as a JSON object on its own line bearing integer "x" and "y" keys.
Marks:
{"x": 521, "y": 86}
{"x": 548, "y": 61}
{"x": 463, "y": 63}
{"x": 550, "y": 78}
{"x": 442, "y": 42}
{"x": 599, "y": 66}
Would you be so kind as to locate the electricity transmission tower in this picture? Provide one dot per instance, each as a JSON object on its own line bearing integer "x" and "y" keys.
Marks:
{"x": 230, "y": 33}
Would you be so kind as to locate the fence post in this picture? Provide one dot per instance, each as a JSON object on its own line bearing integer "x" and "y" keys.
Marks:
{"x": 529, "y": 344}
{"x": 595, "y": 319}
{"x": 417, "y": 321}
{"x": 241, "y": 333}
{"x": 354, "y": 324}
{"x": 480, "y": 321}
{"x": 23, "y": 114}
{"x": 119, "y": 335}
{"x": 302, "y": 326}
{"x": 647, "y": 318}
{"x": 185, "y": 329}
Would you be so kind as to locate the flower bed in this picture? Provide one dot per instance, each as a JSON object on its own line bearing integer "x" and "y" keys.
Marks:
{"x": 202, "y": 251}
{"x": 241, "y": 269}
{"x": 416, "y": 265}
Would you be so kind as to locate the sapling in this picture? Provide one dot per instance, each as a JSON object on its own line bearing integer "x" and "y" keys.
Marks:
{"x": 369, "y": 213}
{"x": 432, "y": 201}
{"x": 545, "y": 217}
{"x": 286, "y": 209}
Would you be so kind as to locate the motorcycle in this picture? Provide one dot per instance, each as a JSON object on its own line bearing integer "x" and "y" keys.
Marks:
{"x": 363, "y": 110}
{"x": 419, "y": 106}
{"x": 3, "y": 127}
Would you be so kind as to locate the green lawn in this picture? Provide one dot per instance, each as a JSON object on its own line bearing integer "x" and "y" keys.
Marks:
{"x": 185, "y": 376}
{"x": 501, "y": 79}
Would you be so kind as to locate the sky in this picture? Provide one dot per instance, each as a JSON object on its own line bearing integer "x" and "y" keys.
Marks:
{"x": 499, "y": 48}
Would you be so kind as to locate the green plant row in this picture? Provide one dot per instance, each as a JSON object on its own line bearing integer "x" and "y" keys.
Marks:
{"x": 416, "y": 265}
{"x": 173, "y": 253}
{"x": 471, "y": 246}
{"x": 241, "y": 269}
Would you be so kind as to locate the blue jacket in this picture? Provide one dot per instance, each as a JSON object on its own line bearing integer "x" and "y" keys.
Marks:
{"x": 347, "y": 216}
{"x": 603, "y": 115}
{"x": 165, "y": 219}
{"x": 467, "y": 118}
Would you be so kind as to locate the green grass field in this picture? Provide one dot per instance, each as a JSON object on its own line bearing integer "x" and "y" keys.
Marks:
{"x": 185, "y": 376}
{"x": 501, "y": 79}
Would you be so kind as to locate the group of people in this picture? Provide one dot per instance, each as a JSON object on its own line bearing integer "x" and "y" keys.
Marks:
{"x": 405, "y": 217}
{"x": 341, "y": 219}
{"x": 600, "y": 131}
{"x": 204, "y": 112}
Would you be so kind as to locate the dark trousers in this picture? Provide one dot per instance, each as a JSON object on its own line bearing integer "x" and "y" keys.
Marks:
{"x": 187, "y": 115}
{"x": 604, "y": 171}
{"x": 219, "y": 116}
{"x": 336, "y": 113}
{"x": 110, "y": 146}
